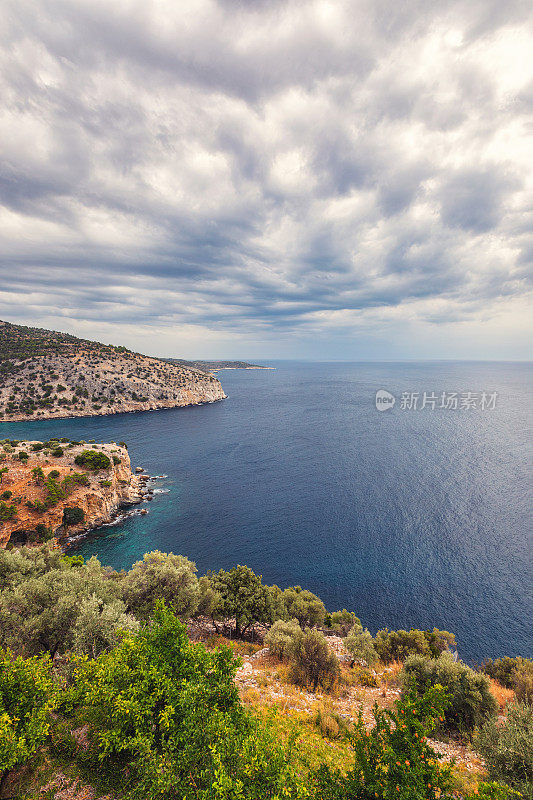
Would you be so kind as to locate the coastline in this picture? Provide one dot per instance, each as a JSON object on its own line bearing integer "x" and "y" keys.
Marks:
{"x": 57, "y": 491}
{"x": 110, "y": 413}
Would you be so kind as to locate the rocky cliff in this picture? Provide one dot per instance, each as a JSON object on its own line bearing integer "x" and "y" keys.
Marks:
{"x": 39, "y": 494}
{"x": 46, "y": 374}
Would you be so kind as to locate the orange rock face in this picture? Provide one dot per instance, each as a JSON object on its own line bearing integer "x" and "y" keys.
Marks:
{"x": 105, "y": 492}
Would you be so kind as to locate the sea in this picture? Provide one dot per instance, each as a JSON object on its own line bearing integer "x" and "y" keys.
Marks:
{"x": 414, "y": 511}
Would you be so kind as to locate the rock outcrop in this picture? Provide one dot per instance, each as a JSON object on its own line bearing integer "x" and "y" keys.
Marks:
{"x": 32, "y": 505}
{"x": 46, "y": 374}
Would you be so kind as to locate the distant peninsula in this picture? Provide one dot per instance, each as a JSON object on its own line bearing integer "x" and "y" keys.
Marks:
{"x": 46, "y": 374}
{"x": 214, "y": 366}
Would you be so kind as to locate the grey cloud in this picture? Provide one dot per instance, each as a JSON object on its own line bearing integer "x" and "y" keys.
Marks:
{"x": 258, "y": 163}
{"x": 472, "y": 199}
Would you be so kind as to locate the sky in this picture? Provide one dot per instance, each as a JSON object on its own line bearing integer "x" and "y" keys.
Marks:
{"x": 315, "y": 179}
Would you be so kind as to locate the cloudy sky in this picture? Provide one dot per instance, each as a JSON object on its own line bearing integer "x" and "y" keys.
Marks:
{"x": 330, "y": 179}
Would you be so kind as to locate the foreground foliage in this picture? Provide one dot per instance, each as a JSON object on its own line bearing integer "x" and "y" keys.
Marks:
{"x": 27, "y": 697}
{"x": 470, "y": 700}
{"x": 165, "y": 716}
{"x": 508, "y": 748}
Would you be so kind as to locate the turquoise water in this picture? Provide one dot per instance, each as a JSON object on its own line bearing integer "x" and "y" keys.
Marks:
{"x": 410, "y": 518}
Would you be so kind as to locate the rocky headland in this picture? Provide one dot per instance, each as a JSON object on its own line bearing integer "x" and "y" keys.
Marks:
{"x": 46, "y": 374}
{"x": 61, "y": 489}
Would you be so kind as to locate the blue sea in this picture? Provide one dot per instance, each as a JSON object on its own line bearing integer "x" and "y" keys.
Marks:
{"x": 410, "y": 516}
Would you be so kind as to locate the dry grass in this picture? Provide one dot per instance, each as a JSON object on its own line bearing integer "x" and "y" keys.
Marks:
{"x": 502, "y": 695}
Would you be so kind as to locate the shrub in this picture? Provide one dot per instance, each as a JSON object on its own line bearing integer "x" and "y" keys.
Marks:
{"x": 41, "y": 602}
{"x": 37, "y": 446}
{"x": 161, "y": 576}
{"x": 393, "y": 759}
{"x": 57, "y": 452}
{"x": 513, "y": 673}
{"x": 502, "y": 670}
{"x": 166, "y": 713}
{"x": 92, "y": 459}
{"x": 43, "y": 533}
{"x": 508, "y": 748}
{"x": 280, "y": 637}
{"x": 312, "y": 662}
{"x": 73, "y": 516}
{"x": 471, "y": 701}
{"x": 523, "y": 681}
{"x": 342, "y": 621}
{"x": 398, "y": 645}
{"x": 101, "y": 626}
{"x": 361, "y": 645}
{"x": 7, "y": 512}
{"x": 116, "y": 460}
{"x": 54, "y": 473}
{"x": 54, "y": 491}
{"x": 330, "y": 724}
{"x": 22, "y": 455}
{"x": 27, "y": 698}
{"x": 304, "y": 606}
{"x": 38, "y": 474}
{"x": 7, "y": 495}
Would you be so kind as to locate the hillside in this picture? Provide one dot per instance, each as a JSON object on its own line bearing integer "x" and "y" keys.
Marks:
{"x": 107, "y": 695}
{"x": 46, "y": 374}
{"x": 54, "y": 489}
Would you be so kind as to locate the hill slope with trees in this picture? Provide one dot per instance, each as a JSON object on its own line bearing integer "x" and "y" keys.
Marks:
{"x": 46, "y": 374}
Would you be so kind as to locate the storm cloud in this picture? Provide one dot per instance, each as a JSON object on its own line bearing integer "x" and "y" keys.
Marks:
{"x": 224, "y": 178}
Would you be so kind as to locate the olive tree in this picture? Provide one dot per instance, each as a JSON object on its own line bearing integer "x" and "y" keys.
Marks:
{"x": 243, "y": 597}
{"x": 304, "y": 606}
{"x": 360, "y": 644}
{"x": 39, "y": 614}
{"x": 312, "y": 662}
{"x": 161, "y": 576}
{"x": 281, "y": 635}
{"x": 101, "y": 626}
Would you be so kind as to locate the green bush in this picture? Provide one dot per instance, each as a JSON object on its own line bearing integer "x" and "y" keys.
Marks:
{"x": 393, "y": 759}
{"x": 166, "y": 713}
{"x": 22, "y": 455}
{"x": 281, "y": 635}
{"x": 27, "y": 698}
{"x": 41, "y": 600}
{"x": 523, "y": 681}
{"x": 7, "y": 495}
{"x": 7, "y": 512}
{"x": 342, "y": 622}
{"x": 43, "y": 534}
{"x": 92, "y": 459}
{"x": 360, "y": 644}
{"x": 116, "y": 460}
{"x": 398, "y": 645}
{"x": 57, "y": 452}
{"x": 101, "y": 626}
{"x": 312, "y": 662}
{"x": 304, "y": 606}
{"x": 508, "y": 748}
{"x": 38, "y": 474}
{"x": 471, "y": 702}
{"x": 161, "y": 576}
{"x": 513, "y": 673}
{"x": 73, "y": 516}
